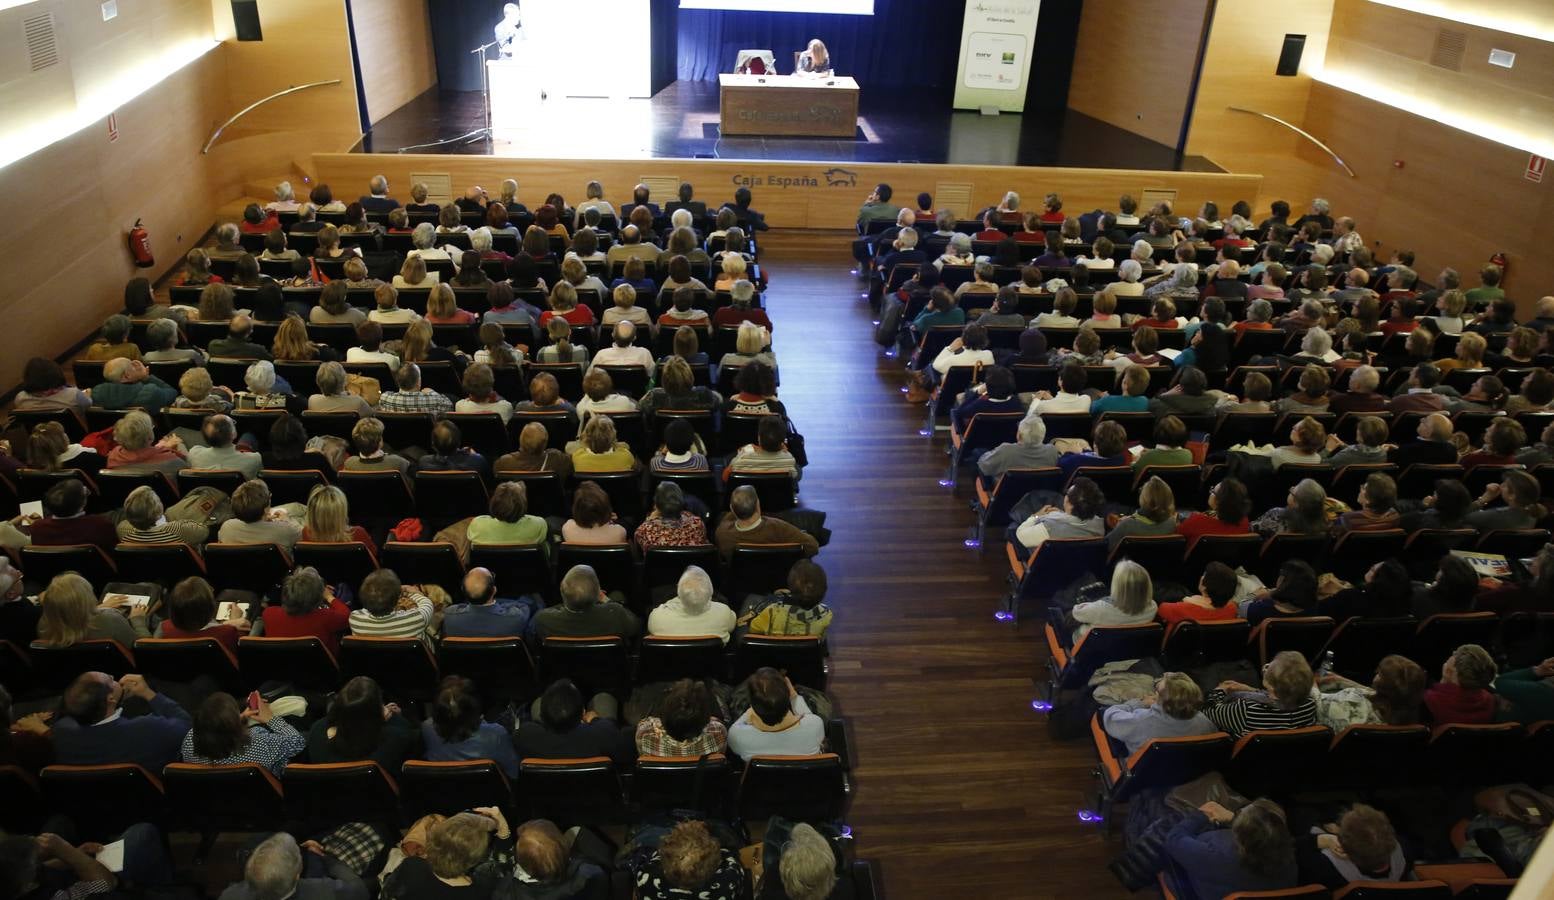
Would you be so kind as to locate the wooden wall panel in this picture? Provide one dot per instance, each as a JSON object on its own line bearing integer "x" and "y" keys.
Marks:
{"x": 394, "y": 44}
{"x": 1133, "y": 64}
{"x": 1457, "y": 199}
{"x": 1383, "y": 45}
{"x": 62, "y": 287}
{"x": 304, "y": 41}
{"x": 1239, "y": 70}
{"x": 792, "y": 195}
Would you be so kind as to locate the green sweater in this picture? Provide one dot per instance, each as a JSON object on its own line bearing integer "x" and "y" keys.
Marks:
{"x": 527, "y": 530}
{"x": 1531, "y": 697}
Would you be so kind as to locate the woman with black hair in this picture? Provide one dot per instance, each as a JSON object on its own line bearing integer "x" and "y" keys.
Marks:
{"x": 1294, "y": 594}
{"x": 456, "y": 729}
{"x": 359, "y": 725}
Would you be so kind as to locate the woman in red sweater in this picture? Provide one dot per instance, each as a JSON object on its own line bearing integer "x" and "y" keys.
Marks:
{"x": 1229, "y": 504}
{"x": 309, "y": 608}
{"x": 1462, "y": 696}
{"x": 1212, "y": 603}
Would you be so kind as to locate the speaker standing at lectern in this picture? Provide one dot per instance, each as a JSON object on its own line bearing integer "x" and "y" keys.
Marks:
{"x": 509, "y": 30}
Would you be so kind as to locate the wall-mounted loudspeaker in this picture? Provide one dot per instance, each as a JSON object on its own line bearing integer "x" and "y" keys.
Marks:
{"x": 1289, "y": 57}
{"x": 245, "y": 19}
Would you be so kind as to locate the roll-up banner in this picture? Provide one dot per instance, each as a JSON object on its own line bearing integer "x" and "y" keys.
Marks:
{"x": 996, "y": 41}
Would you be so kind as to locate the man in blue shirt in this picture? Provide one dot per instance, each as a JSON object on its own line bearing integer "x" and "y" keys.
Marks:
{"x": 483, "y": 614}
{"x": 127, "y": 383}
{"x": 94, "y": 730}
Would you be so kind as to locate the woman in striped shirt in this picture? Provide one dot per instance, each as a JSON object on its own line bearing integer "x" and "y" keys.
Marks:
{"x": 225, "y": 735}
{"x": 1284, "y": 702}
{"x": 143, "y": 522}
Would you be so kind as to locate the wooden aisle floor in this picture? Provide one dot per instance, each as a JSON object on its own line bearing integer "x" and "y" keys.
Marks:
{"x": 958, "y": 790}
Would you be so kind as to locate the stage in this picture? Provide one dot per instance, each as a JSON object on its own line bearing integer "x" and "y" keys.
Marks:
{"x": 681, "y": 122}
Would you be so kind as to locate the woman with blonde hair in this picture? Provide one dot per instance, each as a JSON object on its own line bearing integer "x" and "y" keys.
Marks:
{"x": 1104, "y": 311}
{"x": 419, "y": 346}
{"x": 599, "y": 451}
{"x": 1283, "y": 702}
{"x": 563, "y": 305}
{"x": 49, "y": 448}
{"x": 291, "y": 342}
{"x": 733, "y": 269}
{"x": 413, "y": 274}
{"x": 1471, "y": 348}
{"x": 467, "y": 855}
{"x": 561, "y": 349}
{"x": 689, "y": 862}
{"x": 145, "y": 522}
{"x": 750, "y": 345}
{"x": 626, "y": 310}
{"x": 1130, "y": 602}
{"x": 328, "y": 520}
{"x": 575, "y": 273}
{"x": 195, "y": 391}
{"x": 69, "y": 614}
{"x": 1156, "y": 514}
{"x": 196, "y": 269}
{"x": 442, "y": 307}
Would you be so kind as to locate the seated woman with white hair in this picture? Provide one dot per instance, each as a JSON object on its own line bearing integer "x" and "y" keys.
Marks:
{"x": 1129, "y": 271}
{"x": 751, "y": 344}
{"x": 285, "y": 199}
{"x": 1316, "y": 347}
{"x": 138, "y": 449}
{"x": 733, "y": 269}
{"x": 413, "y": 274}
{"x": 1130, "y": 602}
{"x": 265, "y": 389}
{"x": 692, "y": 611}
{"x": 162, "y": 337}
{"x": 957, "y": 252}
{"x": 424, "y": 239}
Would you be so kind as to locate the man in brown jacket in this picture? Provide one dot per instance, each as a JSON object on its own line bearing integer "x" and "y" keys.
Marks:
{"x": 744, "y": 524}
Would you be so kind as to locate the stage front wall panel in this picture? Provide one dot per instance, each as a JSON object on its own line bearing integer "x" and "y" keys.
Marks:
{"x": 790, "y": 194}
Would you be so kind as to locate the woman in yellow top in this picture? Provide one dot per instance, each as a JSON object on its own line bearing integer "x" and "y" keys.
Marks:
{"x": 598, "y": 451}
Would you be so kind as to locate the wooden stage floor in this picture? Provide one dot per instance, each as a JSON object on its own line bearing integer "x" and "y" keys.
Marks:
{"x": 959, "y": 793}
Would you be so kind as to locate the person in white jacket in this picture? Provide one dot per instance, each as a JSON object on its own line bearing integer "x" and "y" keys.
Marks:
{"x": 692, "y": 611}
{"x": 970, "y": 349}
{"x": 778, "y": 723}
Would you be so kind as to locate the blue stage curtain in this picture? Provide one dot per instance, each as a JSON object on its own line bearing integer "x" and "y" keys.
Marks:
{"x": 906, "y": 43}
{"x": 459, "y": 26}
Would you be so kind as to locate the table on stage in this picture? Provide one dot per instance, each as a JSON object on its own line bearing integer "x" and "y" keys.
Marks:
{"x": 791, "y": 105}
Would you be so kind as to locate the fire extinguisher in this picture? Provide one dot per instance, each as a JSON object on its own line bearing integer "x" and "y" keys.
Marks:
{"x": 1499, "y": 260}
{"x": 140, "y": 246}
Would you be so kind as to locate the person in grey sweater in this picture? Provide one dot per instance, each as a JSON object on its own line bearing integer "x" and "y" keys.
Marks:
{"x": 778, "y": 723}
{"x": 1370, "y": 434}
{"x": 1171, "y": 711}
{"x": 1029, "y": 451}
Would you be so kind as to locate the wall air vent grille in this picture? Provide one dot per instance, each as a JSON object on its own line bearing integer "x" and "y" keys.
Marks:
{"x": 1449, "y": 47}
{"x": 42, "y": 46}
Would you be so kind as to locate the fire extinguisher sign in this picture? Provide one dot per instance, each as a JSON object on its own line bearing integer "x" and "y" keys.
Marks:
{"x": 1535, "y": 167}
{"x": 113, "y": 127}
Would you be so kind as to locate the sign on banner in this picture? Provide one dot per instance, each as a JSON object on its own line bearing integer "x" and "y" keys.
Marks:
{"x": 1535, "y": 166}
{"x": 996, "y": 42}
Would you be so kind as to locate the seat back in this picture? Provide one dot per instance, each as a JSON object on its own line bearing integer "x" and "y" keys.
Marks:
{"x": 624, "y": 490}
{"x": 560, "y": 425}
{"x": 164, "y": 564}
{"x": 571, "y": 791}
{"x": 1155, "y": 552}
{"x": 1355, "y": 552}
{"x": 425, "y": 562}
{"x": 1274, "y": 763}
{"x": 545, "y": 490}
{"x": 1116, "y": 482}
{"x": 41, "y": 563}
{"x": 661, "y": 659}
{"x": 1190, "y": 644}
{"x": 1437, "y": 637}
{"x": 259, "y": 568}
{"x": 103, "y": 800}
{"x": 114, "y": 485}
{"x": 484, "y": 431}
{"x": 1013, "y": 485}
{"x": 294, "y": 486}
{"x": 1394, "y": 890}
{"x": 302, "y": 661}
{"x": 1058, "y": 562}
{"x": 1186, "y": 482}
{"x": 403, "y": 667}
{"x": 663, "y": 784}
{"x": 801, "y": 788}
{"x": 663, "y": 566}
{"x": 1368, "y": 757}
{"x": 443, "y": 497}
{"x": 1456, "y": 754}
{"x": 1514, "y": 543}
{"x": 449, "y": 788}
{"x": 1306, "y": 635}
{"x": 212, "y": 799}
{"x": 1168, "y": 762}
{"x": 1109, "y": 643}
{"x": 612, "y": 563}
{"x": 24, "y": 808}
{"x": 802, "y": 657}
{"x": 53, "y": 668}
{"x": 1282, "y": 547}
{"x": 339, "y": 562}
{"x": 760, "y": 568}
{"x": 321, "y": 796}
{"x": 1359, "y": 644}
{"x": 520, "y": 569}
{"x": 180, "y": 659}
{"x": 777, "y": 490}
{"x": 1237, "y": 551}
{"x": 500, "y": 667}
{"x": 224, "y": 480}
{"x": 594, "y": 663}
{"x": 376, "y": 496}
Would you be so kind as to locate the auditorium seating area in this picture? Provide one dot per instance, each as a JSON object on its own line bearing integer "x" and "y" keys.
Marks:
{"x": 1276, "y": 404}
{"x": 402, "y": 517}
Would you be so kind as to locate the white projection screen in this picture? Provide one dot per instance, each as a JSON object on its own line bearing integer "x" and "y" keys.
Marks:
{"x": 842, "y": 7}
